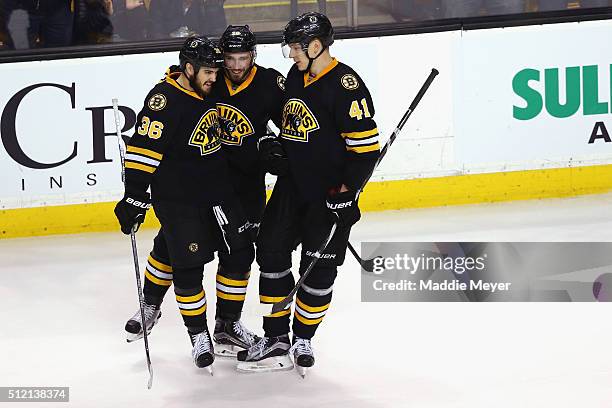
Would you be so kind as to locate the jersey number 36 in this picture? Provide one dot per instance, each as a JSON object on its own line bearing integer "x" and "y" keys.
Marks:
{"x": 152, "y": 129}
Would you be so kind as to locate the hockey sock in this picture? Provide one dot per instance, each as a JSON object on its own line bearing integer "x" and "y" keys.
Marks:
{"x": 158, "y": 278}
{"x": 273, "y": 287}
{"x": 312, "y": 301}
{"x": 231, "y": 293}
{"x": 192, "y": 305}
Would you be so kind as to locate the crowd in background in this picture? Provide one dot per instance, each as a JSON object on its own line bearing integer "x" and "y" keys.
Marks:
{"x": 59, "y": 23}
{"x": 435, "y": 9}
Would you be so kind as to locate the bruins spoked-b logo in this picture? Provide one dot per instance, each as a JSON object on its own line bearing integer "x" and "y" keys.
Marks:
{"x": 206, "y": 135}
{"x": 235, "y": 125}
{"x": 157, "y": 102}
{"x": 298, "y": 121}
{"x": 349, "y": 81}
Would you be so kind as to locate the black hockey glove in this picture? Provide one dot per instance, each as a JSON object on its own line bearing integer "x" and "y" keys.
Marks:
{"x": 343, "y": 208}
{"x": 131, "y": 210}
{"x": 272, "y": 156}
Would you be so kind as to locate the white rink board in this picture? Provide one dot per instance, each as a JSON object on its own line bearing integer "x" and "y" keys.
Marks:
{"x": 487, "y": 129}
{"x": 47, "y": 127}
{"x": 448, "y": 118}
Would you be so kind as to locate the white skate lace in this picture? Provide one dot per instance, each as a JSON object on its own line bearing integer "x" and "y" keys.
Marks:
{"x": 258, "y": 348}
{"x": 302, "y": 346}
{"x": 243, "y": 332}
{"x": 201, "y": 343}
{"x": 149, "y": 311}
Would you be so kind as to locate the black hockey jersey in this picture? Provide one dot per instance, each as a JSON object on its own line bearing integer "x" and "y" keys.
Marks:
{"x": 176, "y": 148}
{"x": 328, "y": 130}
{"x": 244, "y": 112}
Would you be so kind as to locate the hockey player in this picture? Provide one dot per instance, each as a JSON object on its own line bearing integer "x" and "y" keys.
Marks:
{"x": 331, "y": 141}
{"x": 176, "y": 150}
{"x": 248, "y": 96}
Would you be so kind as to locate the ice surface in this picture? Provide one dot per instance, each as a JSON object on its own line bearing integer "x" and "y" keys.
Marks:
{"x": 64, "y": 301}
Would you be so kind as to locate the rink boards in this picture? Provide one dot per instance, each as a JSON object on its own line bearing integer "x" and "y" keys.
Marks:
{"x": 516, "y": 113}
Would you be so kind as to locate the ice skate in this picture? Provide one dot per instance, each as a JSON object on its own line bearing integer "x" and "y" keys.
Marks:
{"x": 202, "y": 351}
{"x": 302, "y": 354}
{"x": 230, "y": 337}
{"x": 268, "y": 354}
{"x": 133, "y": 327}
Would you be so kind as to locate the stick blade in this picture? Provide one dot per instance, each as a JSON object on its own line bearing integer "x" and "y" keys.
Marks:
{"x": 150, "y": 383}
{"x": 368, "y": 264}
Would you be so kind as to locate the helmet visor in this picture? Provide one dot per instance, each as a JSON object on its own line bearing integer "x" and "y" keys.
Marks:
{"x": 286, "y": 50}
{"x": 296, "y": 48}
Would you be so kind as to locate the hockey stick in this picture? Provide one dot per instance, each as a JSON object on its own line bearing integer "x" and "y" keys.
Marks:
{"x": 283, "y": 304}
{"x": 367, "y": 264}
{"x": 134, "y": 249}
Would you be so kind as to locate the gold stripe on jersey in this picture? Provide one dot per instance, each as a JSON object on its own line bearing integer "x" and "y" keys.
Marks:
{"x": 247, "y": 81}
{"x": 145, "y": 152}
{"x": 170, "y": 79}
{"x": 364, "y": 149}
{"x": 309, "y": 81}
{"x": 228, "y": 296}
{"x": 156, "y": 280}
{"x": 270, "y": 299}
{"x": 312, "y": 309}
{"x": 280, "y": 314}
{"x": 158, "y": 265}
{"x": 138, "y": 166}
{"x": 360, "y": 135}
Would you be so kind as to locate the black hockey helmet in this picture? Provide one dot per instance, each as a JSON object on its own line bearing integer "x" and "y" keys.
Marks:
{"x": 306, "y": 27}
{"x": 238, "y": 39}
{"x": 200, "y": 52}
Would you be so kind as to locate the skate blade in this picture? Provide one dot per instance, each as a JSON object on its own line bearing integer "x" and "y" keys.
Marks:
{"x": 301, "y": 370}
{"x": 208, "y": 369}
{"x": 280, "y": 363}
{"x": 226, "y": 350}
{"x": 131, "y": 337}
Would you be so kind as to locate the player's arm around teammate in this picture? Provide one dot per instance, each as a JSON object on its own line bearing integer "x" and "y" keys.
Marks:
{"x": 176, "y": 150}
